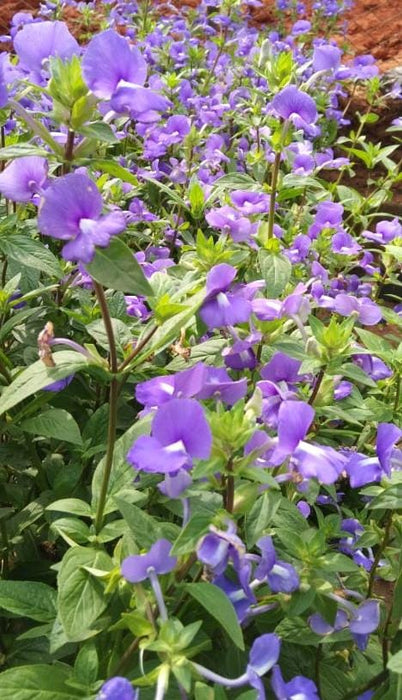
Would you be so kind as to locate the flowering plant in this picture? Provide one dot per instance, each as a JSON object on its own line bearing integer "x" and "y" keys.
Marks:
{"x": 200, "y": 360}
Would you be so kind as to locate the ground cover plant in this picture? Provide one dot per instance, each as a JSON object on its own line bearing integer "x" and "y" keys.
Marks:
{"x": 200, "y": 359}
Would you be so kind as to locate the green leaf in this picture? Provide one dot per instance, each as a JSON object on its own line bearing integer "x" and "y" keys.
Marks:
{"x": 217, "y": 604}
{"x": 73, "y": 506}
{"x": 39, "y": 682}
{"x": 395, "y": 251}
{"x": 37, "y": 376}
{"x": 261, "y": 515}
{"x": 82, "y": 596}
{"x": 31, "y": 599}
{"x": 196, "y": 198}
{"x": 276, "y": 271}
{"x": 374, "y": 343}
{"x": 170, "y": 329}
{"x": 31, "y": 253}
{"x": 72, "y": 530}
{"x": 116, "y": 267}
{"x": 54, "y": 423}
{"x": 389, "y": 499}
{"x": 136, "y": 623}
{"x": 171, "y": 193}
{"x": 100, "y": 131}
{"x": 122, "y": 333}
{"x": 357, "y": 374}
{"x": 15, "y": 320}
{"x": 112, "y": 168}
{"x": 189, "y": 536}
{"x": 395, "y": 663}
{"x": 203, "y": 692}
{"x": 122, "y": 472}
{"x": 145, "y": 529}
{"x": 350, "y": 198}
{"x": 86, "y": 664}
{"x": 19, "y": 150}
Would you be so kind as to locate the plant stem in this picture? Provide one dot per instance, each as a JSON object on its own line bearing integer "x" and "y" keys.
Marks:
{"x": 318, "y": 656}
{"x": 385, "y": 641}
{"x": 4, "y": 369}
{"x": 397, "y": 393}
{"x": 381, "y": 548}
{"x": 68, "y": 151}
{"x": 228, "y": 496}
{"x": 126, "y": 657}
{"x": 318, "y": 381}
{"x": 111, "y": 438}
{"x": 274, "y": 183}
{"x": 108, "y": 325}
{"x": 4, "y": 537}
{"x": 353, "y": 694}
{"x": 113, "y": 396}
{"x": 138, "y": 348}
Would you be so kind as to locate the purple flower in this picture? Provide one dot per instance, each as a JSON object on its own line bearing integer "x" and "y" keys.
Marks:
{"x": 36, "y": 42}
{"x": 220, "y": 386}
{"x": 301, "y": 27}
{"x": 60, "y": 384}
{"x": 281, "y": 368}
{"x": 135, "y": 306}
{"x": 241, "y": 596}
{"x": 221, "y": 306}
{"x": 117, "y": 688}
{"x": 368, "y": 312}
{"x": 304, "y": 508}
{"x": 108, "y": 60}
{"x": 136, "y": 567}
{"x": 71, "y": 210}
{"x": 328, "y": 215}
{"x": 365, "y": 620}
{"x": 295, "y": 105}
{"x": 385, "y": 232}
{"x": 343, "y": 244}
{"x": 310, "y": 460}
{"x": 173, "y": 485}
{"x": 296, "y": 306}
{"x": 180, "y": 432}
{"x": 320, "y": 626}
{"x": 264, "y": 653}
{"x": 326, "y": 57}
{"x": 219, "y": 546}
{"x": 299, "y": 687}
{"x": 115, "y": 71}
{"x": 3, "y": 81}
{"x": 349, "y": 545}
{"x": 364, "y": 67}
{"x": 159, "y": 390}
{"x": 388, "y": 435}
{"x": 175, "y": 130}
{"x": 299, "y": 249}
{"x": 373, "y": 366}
{"x": 273, "y": 395}
{"x": 230, "y": 221}
{"x": 23, "y": 178}
{"x": 250, "y": 202}
{"x": 281, "y": 576}
{"x": 364, "y": 470}
{"x": 342, "y": 389}
{"x": 241, "y": 354}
